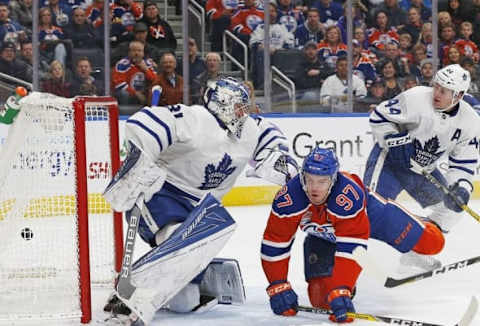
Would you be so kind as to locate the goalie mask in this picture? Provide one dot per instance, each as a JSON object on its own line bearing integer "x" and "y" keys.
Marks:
{"x": 229, "y": 102}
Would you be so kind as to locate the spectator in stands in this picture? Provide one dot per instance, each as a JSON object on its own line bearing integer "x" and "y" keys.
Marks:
{"x": 170, "y": 82}
{"x": 61, "y": 12}
{"x": 444, "y": 18}
{"x": 427, "y": 72}
{"x": 133, "y": 76}
{"x": 289, "y": 16}
{"x": 220, "y": 14}
{"x": 81, "y": 33}
{"x": 468, "y": 64}
{"x": 332, "y": 47}
{"x": 212, "y": 74}
{"x": 10, "y": 30}
{"x": 375, "y": 96}
{"x": 333, "y": 93}
{"x": 358, "y": 14}
{"x": 195, "y": 62}
{"x": 457, "y": 12}
{"x": 360, "y": 34}
{"x": 453, "y": 56}
{"x": 56, "y": 82}
{"x": 140, "y": 32}
{"x": 401, "y": 64}
{"x": 426, "y": 38}
{"x": 414, "y": 24}
{"x": 389, "y": 74}
{"x": 425, "y": 7}
{"x": 419, "y": 53}
{"x": 51, "y": 38}
{"x": 311, "y": 30}
{"x": 363, "y": 66}
{"x": 330, "y": 11}
{"x": 397, "y": 17}
{"x": 10, "y": 65}
{"x": 447, "y": 39}
{"x": 280, "y": 38}
{"x": 381, "y": 34}
{"x": 160, "y": 34}
{"x": 466, "y": 46}
{"x": 21, "y": 11}
{"x": 126, "y": 12}
{"x": 311, "y": 74}
{"x": 410, "y": 81}
{"x": 405, "y": 46}
{"x": 83, "y": 83}
{"x": 243, "y": 22}
{"x": 26, "y": 56}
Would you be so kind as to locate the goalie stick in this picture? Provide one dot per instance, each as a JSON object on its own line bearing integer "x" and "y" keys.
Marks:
{"x": 465, "y": 321}
{"x": 419, "y": 169}
{"x": 392, "y": 282}
{"x": 124, "y": 285}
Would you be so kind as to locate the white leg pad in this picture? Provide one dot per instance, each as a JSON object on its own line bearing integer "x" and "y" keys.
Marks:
{"x": 159, "y": 280}
{"x": 444, "y": 217}
{"x": 185, "y": 300}
{"x": 223, "y": 280}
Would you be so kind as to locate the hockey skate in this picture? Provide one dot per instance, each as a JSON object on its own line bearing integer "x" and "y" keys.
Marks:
{"x": 120, "y": 314}
{"x": 412, "y": 262}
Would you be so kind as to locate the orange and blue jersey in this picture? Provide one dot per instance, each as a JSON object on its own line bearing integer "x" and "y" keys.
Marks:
{"x": 343, "y": 215}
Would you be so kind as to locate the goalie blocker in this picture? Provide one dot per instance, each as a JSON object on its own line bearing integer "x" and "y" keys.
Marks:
{"x": 168, "y": 275}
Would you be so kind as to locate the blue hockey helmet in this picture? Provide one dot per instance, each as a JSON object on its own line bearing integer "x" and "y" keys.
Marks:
{"x": 229, "y": 101}
{"x": 320, "y": 161}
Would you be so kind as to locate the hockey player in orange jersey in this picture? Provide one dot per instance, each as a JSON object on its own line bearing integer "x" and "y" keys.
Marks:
{"x": 339, "y": 214}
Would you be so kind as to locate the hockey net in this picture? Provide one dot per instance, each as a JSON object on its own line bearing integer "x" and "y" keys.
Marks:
{"x": 57, "y": 234}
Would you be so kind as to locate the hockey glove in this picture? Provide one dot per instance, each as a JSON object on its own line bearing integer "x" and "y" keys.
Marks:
{"x": 461, "y": 195}
{"x": 278, "y": 167}
{"x": 400, "y": 149}
{"x": 340, "y": 303}
{"x": 283, "y": 300}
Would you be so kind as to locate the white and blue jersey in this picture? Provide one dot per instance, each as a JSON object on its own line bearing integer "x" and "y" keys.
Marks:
{"x": 198, "y": 155}
{"x": 437, "y": 136}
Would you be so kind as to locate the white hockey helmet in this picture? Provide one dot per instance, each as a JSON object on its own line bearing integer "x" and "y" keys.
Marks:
{"x": 453, "y": 77}
{"x": 229, "y": 101}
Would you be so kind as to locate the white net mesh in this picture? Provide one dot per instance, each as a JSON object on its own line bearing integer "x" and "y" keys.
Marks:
{"x": 39, "y": 273}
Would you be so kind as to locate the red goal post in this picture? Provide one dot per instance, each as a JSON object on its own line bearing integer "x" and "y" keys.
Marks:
{"x": 59, "y": 236}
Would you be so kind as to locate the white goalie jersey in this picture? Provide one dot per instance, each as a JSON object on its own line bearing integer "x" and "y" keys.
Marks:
{"x": 205, "y": 157}
{"x": 437, "y": 136}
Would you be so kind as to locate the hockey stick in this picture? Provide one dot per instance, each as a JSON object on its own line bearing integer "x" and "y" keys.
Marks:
{"x": 467, "y": 317}
{"x": 124, "y": 285}
{"x": 391, "y": 282}
{"x": 417, "y": 168}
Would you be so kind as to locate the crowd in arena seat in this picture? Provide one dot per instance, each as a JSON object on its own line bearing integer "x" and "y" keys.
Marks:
{"x": 392, "y": 46}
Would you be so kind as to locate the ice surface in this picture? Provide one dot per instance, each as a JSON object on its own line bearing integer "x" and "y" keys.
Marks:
{"x": 441, "y": 299}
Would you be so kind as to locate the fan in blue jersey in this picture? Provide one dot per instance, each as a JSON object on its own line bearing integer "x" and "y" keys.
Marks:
{"x": 183, "y": 160}
{"x": 424, "y": 126}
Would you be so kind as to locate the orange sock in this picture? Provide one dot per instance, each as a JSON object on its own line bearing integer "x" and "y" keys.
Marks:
{"x": 431, "y": 242}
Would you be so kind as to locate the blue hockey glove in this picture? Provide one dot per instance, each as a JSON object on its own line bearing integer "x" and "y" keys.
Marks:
{"x": 340, "y": 303}
{"x": 461, "y": 194}
{"x": 400, "y": 149}
{"x": 283, "y": 300}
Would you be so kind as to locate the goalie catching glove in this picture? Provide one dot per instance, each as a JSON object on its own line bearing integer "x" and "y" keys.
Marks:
{"x": 277, "y": 167}
{"x": 138, "y": 174}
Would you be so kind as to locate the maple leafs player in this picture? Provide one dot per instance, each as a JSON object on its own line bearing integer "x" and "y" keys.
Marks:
{"x": 427, "y": 125}
{"x": 178, "y": 155}
{"x": 339, "y": 214}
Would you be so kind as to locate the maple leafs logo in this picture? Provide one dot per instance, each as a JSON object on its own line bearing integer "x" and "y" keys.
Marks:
{"x": 214, "y": 176}
{"x": 427, "y": 154}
